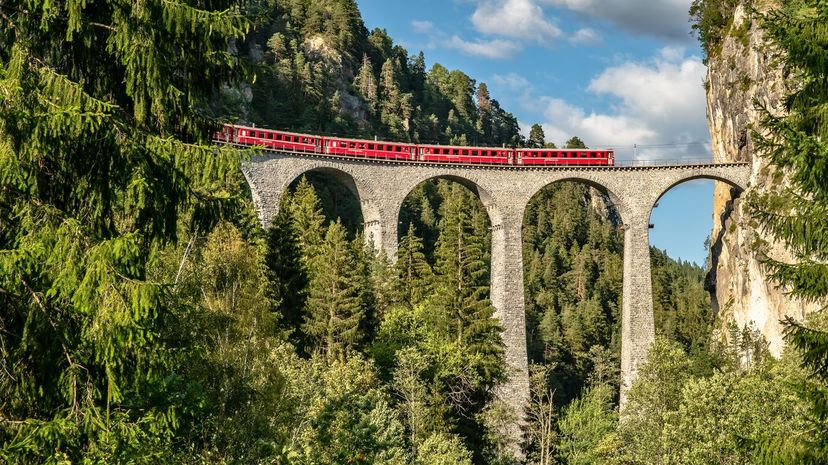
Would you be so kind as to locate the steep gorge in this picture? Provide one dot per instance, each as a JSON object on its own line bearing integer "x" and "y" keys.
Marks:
{"x": 744, "y": 72}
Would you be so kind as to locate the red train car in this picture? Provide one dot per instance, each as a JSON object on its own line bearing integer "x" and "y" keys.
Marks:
{"x": 473, "y": 155}
{"x": 277, "y": 139}
{"x": 295, "y": 142}
{"x": 369, "y": 148}
{"x": 568, "y": 157}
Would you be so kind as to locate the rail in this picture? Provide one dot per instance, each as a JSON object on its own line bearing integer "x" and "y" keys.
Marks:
{"x": 672, "y": 162}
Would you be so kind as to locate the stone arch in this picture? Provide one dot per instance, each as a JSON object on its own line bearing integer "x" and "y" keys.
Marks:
{"x": 732, "y": 181}
{"x": 269, "y": 176}
{"x": 601, "y": 187}
{"x": 362, "y": 191}
{"x": 493, "y": 210}
{"x": 614, "y": 204}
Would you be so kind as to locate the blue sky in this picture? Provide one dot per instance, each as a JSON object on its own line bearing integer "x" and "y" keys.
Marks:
{"x": 619, "y": 73}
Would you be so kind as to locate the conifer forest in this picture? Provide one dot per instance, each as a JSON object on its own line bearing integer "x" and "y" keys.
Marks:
{"x": 146, "y": 316}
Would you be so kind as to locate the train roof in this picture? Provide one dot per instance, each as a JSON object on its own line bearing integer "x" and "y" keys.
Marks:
{"x": 273, "y": 130}
{"x": 467, "y": 147}
{"x": 371, "y": 141}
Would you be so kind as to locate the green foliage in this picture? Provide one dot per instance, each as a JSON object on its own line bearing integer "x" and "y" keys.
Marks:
{"x": 461, "y": 278}
{"x": 541, "y": 416}
{"x": 349, "y": 418}
{"x": 320, "y": 70}
{"x": 334, "y": 310}
{"x": 102, "y": 148}
{"x": 584, "y": 423}
{"x": 797, "y": 214}
{"x": 230, "y": 369}
{"x": 678, "y": 414}
{"x": 681, "y": 303}
{"x": 573, "y": 276}
{"x": 443, "y": 449}
{"x": 794, "y": 212}
{"x": 575, "y": 142}
{"x": 414, "y": 274}
{"x": 537, "y": 139}
{"x": 712, "y": 20}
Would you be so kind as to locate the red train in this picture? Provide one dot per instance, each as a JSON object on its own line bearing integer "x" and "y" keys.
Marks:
{"x": 373, "y": 149}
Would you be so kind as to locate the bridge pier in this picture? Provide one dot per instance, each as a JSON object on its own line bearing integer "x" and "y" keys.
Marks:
{"x": 382, "y": 234}
{"x": 508, "y": 300}
{"x": 637, "y": 320}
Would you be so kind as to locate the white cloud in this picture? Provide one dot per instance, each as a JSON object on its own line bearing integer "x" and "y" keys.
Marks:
{"x": 522, "y": 19}
{"x": 585, "y": 36}
{"x": 512, "y": 81}
{"x": 662, "y": 18}
{"x": 494, "y": 49}
{"x": 422, "y": 27}
{"x": 659, "y": 104}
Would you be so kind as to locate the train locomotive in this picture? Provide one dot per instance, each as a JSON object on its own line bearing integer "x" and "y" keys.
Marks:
{"x": 383, "y": 150}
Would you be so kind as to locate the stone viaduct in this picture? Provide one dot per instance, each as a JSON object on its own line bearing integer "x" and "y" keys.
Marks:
{"x": 505, "y": 191}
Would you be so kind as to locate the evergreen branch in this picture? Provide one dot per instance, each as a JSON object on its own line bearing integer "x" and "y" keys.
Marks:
{"x": 812, "y": 344}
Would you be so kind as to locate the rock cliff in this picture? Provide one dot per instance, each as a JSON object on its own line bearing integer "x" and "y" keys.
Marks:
{"x": 743, "y": 71}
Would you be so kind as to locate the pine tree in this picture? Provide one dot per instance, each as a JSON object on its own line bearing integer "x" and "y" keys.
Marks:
{"x": 796, "y": 214}
{"x": 391, "y": 100}
{"x": 103, "y": 145}
{"x": 286, "y": 275}
{"x": 484, "y": 100}
{"x": 306, "y": 219}
{"x": 537, "y": 138}
{"x": 461, "y": 283}
{"x": 484, "y": 111}
{"x": 366, "y": 84}
{"x": 334, "y": 309}
{"x": 414, "y": 274}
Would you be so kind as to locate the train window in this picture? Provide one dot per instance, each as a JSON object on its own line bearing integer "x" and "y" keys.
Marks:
{"x": 352, "y": 145}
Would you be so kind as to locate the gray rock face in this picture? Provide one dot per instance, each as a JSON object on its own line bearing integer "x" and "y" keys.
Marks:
{"x": 745, "y": 70}
{"x": 381, "y": 187}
